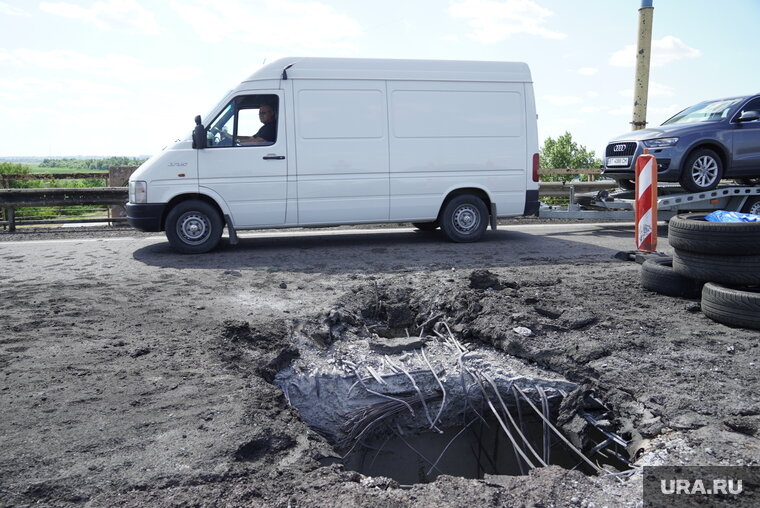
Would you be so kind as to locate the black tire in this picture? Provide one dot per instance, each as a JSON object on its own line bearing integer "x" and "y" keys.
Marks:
{"x": 657, "y": 275}
{"x": 691, "y": 232}
{"x": 739, "y": 270}
{"x": 732, "y": 306}
{"x": 752, "y": 206}
{"x": 464, "y": 218}
{"x": 626, "y": 184}
{"x": 193, "y": 227}
{"x": 426, "y": 226}
{"x": 702, "y": 171}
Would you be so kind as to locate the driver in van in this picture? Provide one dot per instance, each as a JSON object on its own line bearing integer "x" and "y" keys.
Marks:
{"x": 268, "y": 131}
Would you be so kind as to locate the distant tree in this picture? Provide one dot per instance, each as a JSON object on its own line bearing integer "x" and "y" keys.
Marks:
{"x": 565, "y": 153}
{"x": 11, "y": 168}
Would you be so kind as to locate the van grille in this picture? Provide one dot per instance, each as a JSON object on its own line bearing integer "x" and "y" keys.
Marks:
{"x": 621, "y": 149}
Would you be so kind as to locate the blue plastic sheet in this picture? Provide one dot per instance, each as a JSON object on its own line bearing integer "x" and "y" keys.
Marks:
{"x": 726, "y": 216}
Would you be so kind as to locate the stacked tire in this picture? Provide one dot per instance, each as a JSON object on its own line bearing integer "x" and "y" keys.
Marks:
{"x": 726, "y": 257}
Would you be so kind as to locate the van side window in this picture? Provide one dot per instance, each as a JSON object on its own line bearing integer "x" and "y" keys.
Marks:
{"x": 249, "y": 120}
{"x": 257, "y": 120}
{"x": 220, "y": 131}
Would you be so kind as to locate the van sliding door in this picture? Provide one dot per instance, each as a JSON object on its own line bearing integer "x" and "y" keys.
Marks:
{"x": 342, "y": 151}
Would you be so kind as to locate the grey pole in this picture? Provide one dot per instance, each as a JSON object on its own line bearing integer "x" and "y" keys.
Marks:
{"x": 643, "y": 53}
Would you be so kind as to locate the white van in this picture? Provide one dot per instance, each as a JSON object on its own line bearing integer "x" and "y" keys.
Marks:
{"x": 449, "y": 144}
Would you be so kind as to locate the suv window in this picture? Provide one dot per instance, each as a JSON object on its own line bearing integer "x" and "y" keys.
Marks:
{"x": 713, "y": 111}
{"x": 753, "y": 105}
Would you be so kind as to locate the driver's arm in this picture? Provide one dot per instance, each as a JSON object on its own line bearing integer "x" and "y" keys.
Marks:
{"x": 250, "y": 139}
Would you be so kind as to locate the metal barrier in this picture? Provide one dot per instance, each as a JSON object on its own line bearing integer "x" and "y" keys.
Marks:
{"x": 10, "y": 199}
{"x": 114, "y": 195}
{"x": 111, "y": 198}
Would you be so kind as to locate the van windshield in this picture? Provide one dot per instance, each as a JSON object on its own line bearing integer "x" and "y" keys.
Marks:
{"x": 713, "y": 111}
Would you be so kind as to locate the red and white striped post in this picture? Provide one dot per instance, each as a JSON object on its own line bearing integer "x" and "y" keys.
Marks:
{"x": 646, "y": 202}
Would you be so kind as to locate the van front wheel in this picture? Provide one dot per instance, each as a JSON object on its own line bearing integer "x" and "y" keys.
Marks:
{"x": 464, "y": 219}
{"x": 193, "y": 227}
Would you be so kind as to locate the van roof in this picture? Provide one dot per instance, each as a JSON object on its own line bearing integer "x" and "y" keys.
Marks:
{"x": 391, "y": 69}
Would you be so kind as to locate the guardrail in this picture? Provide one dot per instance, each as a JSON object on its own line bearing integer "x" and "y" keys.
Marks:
{"x": 114, "y": 196}
{"x": 11, "y": 199}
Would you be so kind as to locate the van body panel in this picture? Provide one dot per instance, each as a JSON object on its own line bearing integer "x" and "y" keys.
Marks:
{"x": 342, "y": 150}
{"x": 254, "y": 189}
{"x": 531, "y": 138}
{"x": 169, "y": 173}
{"x": 454, "y": 135}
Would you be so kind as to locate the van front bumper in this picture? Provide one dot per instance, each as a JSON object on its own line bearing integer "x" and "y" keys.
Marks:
{"x": 145, "y": 216}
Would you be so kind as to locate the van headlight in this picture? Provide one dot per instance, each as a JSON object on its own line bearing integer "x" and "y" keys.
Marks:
{"x": 138, "y": 191}
{"x": 660, "y": 142}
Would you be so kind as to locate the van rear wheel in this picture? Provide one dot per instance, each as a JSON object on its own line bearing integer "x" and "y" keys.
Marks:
{"x": 464, "y": 218}
{"x": 193, "y": 227}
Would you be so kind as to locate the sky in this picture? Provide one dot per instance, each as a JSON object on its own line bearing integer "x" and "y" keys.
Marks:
{"x": 127, "y": 77}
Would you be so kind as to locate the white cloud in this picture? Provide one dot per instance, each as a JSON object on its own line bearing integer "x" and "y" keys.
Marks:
{"x": 494, "y": 21}
{"x": 33, "y": 87}
{"x": 310, "y": 25}
{"x": 621, "y": 111}
{"x": 126, "y": 67}
{"x": 562, "y": 100}
{"x": 592, "y": 94}
{"x": 569, "y": 121}
{"x": 108, "y": 15}
{"x": 666, "y": 50}
{"x": 11, "y": 10}
{"x": 588, "y": 71}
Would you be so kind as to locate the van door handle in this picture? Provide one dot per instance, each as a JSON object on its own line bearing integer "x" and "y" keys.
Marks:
{"x": 272, "y": 156}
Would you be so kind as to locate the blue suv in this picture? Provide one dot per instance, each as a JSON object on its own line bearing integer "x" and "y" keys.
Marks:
{"x": 697, "y": 147}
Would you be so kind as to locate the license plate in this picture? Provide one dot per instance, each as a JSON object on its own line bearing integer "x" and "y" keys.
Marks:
{"x": 617, "y": 161}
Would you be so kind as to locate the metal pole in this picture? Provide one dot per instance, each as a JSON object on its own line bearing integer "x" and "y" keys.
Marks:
{"x": 643, "y": 52}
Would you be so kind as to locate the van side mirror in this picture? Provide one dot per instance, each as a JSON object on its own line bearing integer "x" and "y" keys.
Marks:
{"x": 749, "y": 116}
{"x": 199, "y": 134}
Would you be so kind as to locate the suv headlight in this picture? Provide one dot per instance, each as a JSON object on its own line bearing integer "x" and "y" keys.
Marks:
{"x": 660, "y": 142}
{"x": 138, "y": 191}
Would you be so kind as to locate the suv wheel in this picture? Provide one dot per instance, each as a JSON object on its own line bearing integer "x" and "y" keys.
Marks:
{"x": 702, "y": 171}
